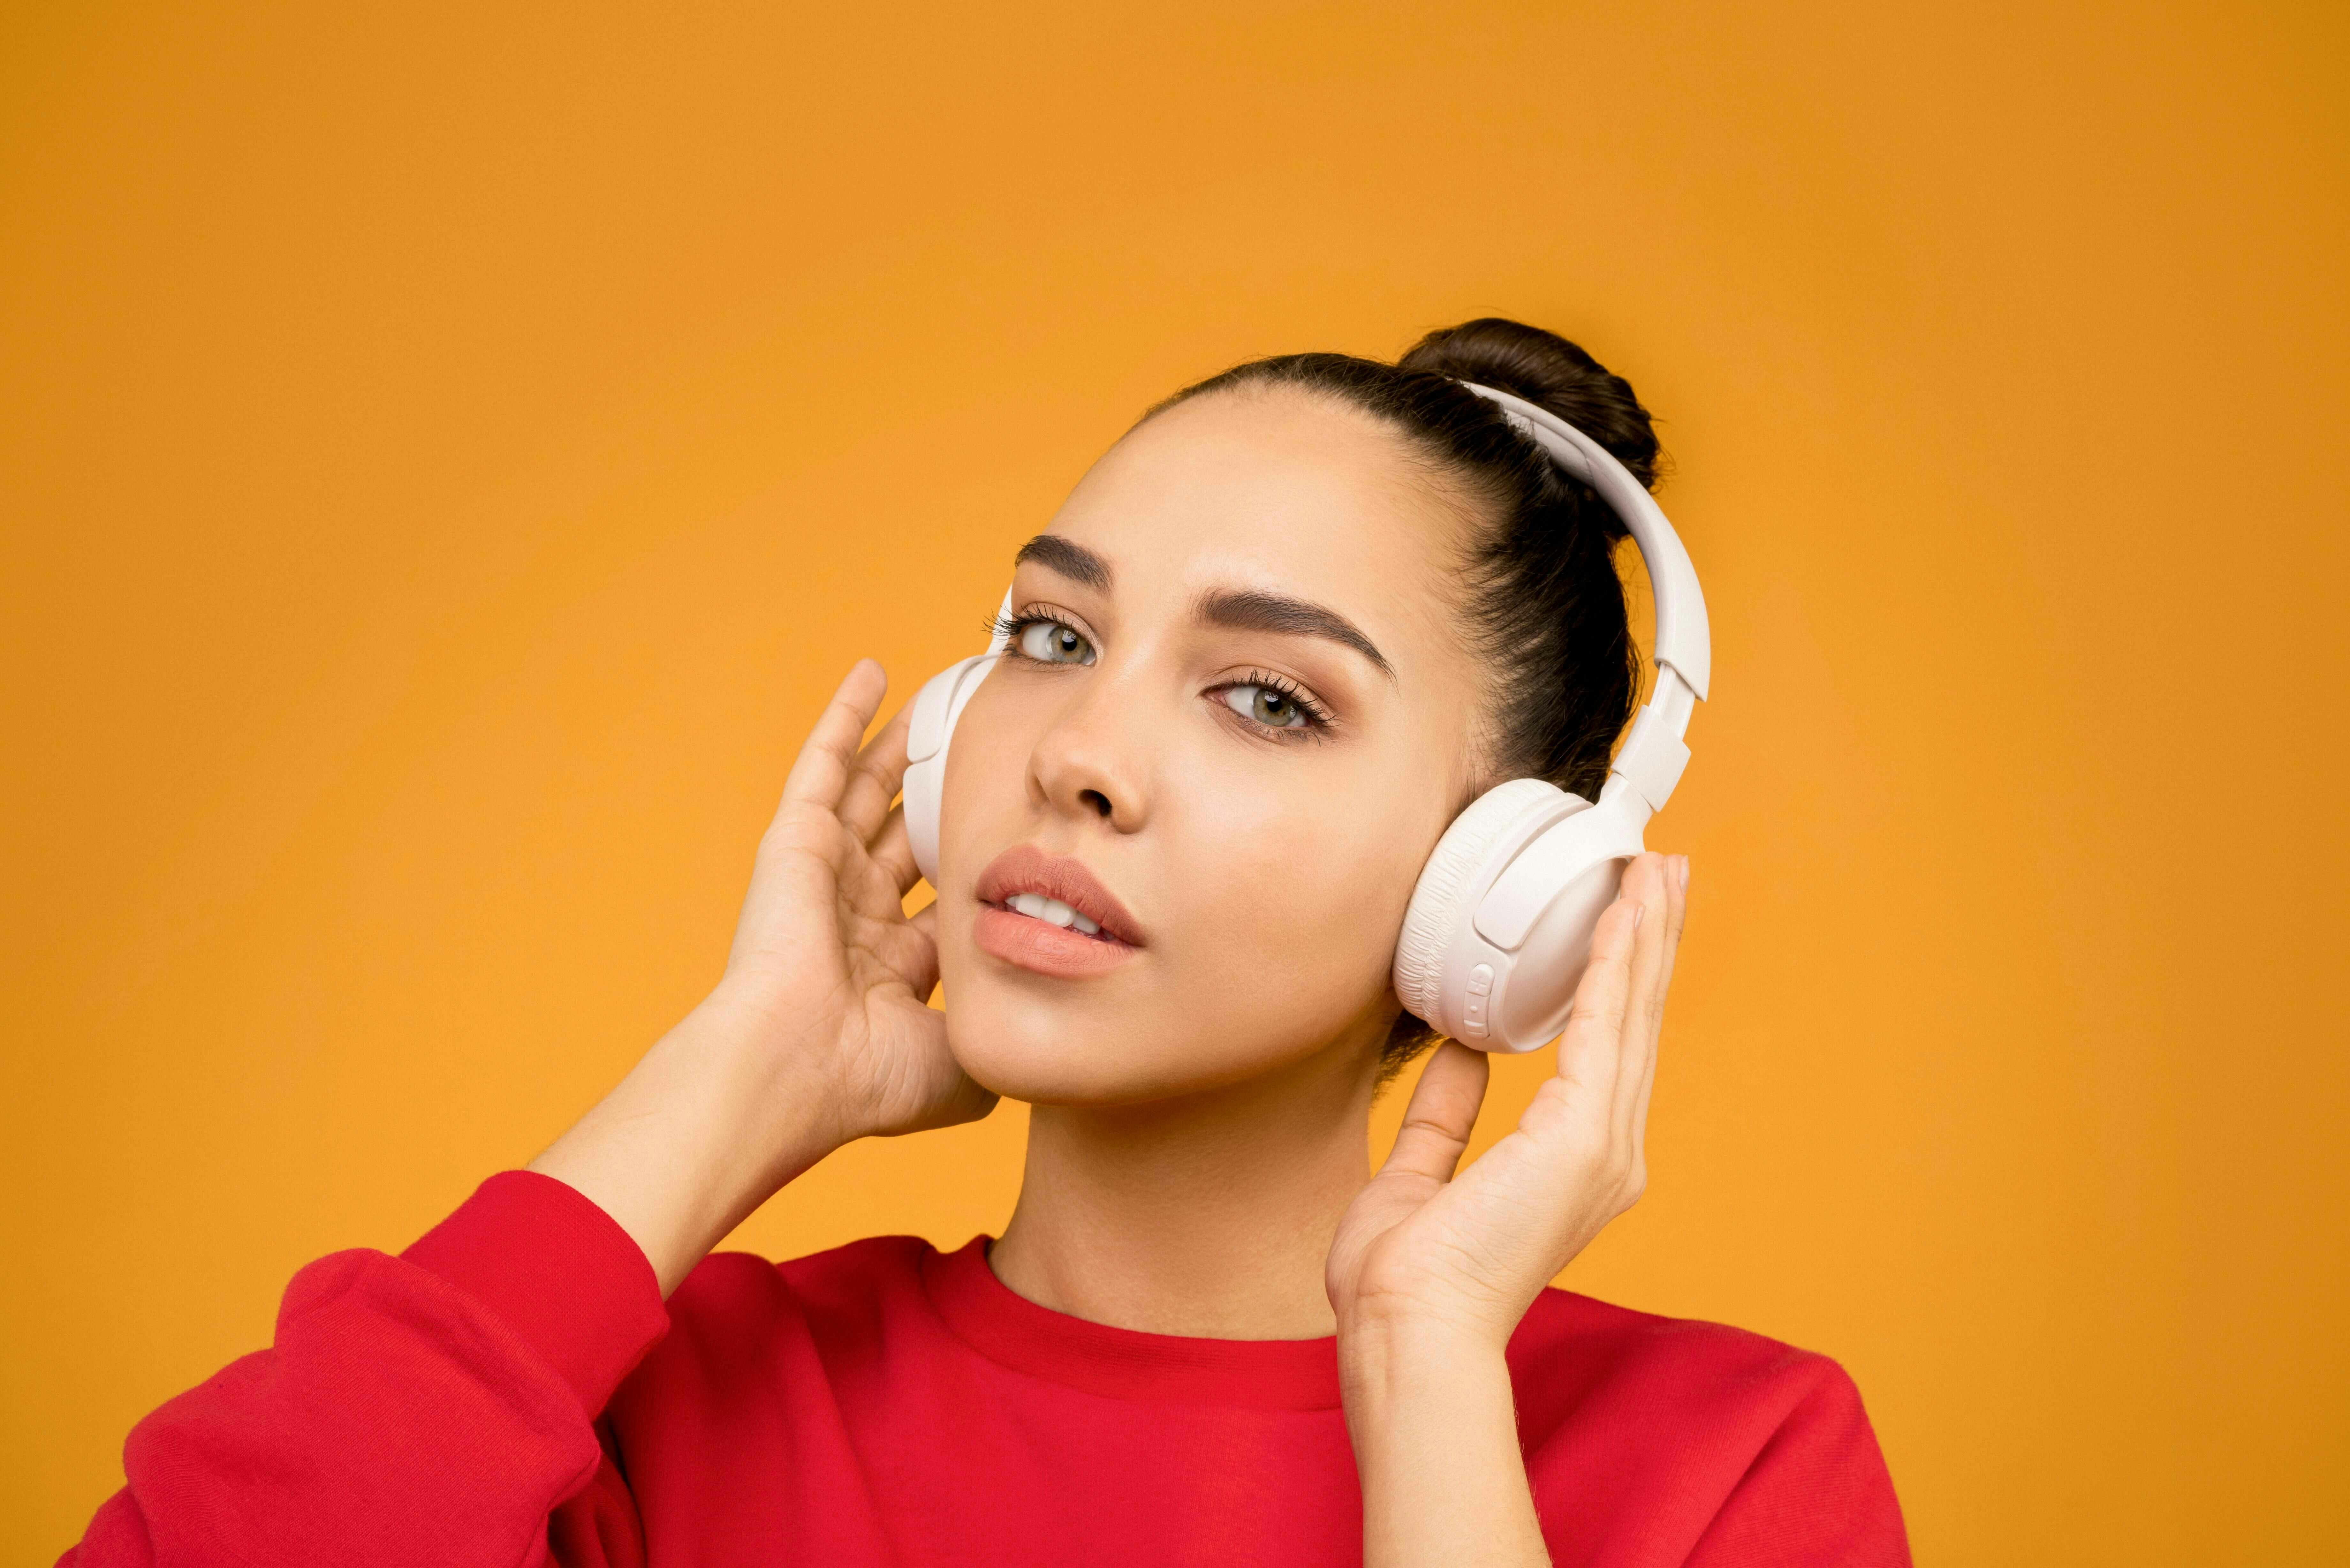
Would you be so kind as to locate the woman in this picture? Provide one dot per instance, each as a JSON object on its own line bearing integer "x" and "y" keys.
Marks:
{"x": 1276, "y": 638}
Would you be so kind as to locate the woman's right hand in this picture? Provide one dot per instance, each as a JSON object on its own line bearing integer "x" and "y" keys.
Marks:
{"x": 819, "y": 1033}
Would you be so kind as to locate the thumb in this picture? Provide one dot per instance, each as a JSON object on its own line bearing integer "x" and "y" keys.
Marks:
{"x": 1443, "y": 1110}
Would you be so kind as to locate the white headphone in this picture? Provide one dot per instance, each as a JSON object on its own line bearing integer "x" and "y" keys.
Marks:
{"x": 1498, "y": 927}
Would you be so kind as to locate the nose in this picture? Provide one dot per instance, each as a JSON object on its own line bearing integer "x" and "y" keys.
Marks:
{"x": 1092, "y": 760}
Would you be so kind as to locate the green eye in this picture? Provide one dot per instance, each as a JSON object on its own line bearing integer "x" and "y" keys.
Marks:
{"x": 1050, "y": 642}
{"x": 1275, "y": 709}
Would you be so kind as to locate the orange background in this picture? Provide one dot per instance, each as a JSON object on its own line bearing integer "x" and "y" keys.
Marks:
{"x": 447, "y": 453}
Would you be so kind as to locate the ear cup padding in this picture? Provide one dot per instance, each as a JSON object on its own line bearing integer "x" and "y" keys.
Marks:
{"x": 929, "y": 733}
{"x": 1436, "y": 912}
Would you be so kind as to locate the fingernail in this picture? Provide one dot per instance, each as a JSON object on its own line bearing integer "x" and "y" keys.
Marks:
{"x": 1680, "y": 870}
{"x": 1640, "y": 913}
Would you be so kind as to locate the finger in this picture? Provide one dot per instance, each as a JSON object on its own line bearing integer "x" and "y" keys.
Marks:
{"x": 873, "y": 889}
{"x": 926, "y": 920}
{"x": 1443, "y": 1113}
{"x": 820, "y": 773}
{"x": 1589, "y": 1051}
{"x": 1675, "y": 872}
{"x": 1651, "y": 980}
{"x": 1680, "y": 883}
{"x": 892, "y": 853}
{"x": 1677, "y": 880}
{"x": 910, "y": 947}
{"x": 1648, "y": 880}
{"x": 873, "y": 781}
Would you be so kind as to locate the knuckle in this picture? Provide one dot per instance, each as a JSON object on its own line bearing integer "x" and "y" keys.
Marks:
{"x": 1598, "y": 1012}
{"x": 1636, "y": 1182}
{"x": 793, "y": 832}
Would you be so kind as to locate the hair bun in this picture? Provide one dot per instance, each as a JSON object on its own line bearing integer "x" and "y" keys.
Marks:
{"x": 1546, "y": 369}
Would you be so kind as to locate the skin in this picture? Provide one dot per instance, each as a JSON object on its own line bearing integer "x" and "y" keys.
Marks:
{"x": 1196, "y": 1157}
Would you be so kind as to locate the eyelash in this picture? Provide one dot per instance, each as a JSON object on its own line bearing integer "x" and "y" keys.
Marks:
{"x": 1009, "y": 627}
{"x": 1318, "y": 719}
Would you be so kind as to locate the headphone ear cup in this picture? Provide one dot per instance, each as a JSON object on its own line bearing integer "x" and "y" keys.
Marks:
{"x": 1499, "y": 820}
{"x": 929, "y": 730}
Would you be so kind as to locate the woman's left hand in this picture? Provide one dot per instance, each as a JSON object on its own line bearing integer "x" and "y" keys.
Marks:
{"x": 1461, "y": 1258}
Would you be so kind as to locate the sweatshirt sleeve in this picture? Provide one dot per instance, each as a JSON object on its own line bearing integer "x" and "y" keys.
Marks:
{"x": 436, "y": 1407}
{"x": 1817, "y": 1494}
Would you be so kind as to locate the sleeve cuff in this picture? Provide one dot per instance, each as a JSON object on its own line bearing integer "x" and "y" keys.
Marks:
{"x": 558, "y": 1271}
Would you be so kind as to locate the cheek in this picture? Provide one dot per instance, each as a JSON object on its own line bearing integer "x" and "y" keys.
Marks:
{"x": 982, "y": 810}
{"x": 1294, "y": 891}
{"x": 983, "y": 804}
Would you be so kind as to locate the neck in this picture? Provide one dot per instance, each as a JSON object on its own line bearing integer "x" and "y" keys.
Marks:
{"x": 1208, "y": 1215}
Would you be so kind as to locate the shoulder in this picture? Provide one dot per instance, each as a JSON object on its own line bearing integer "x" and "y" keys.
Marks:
{"x": 1570, "y": 1350}
{"x": 1566, "y": 1329}
{"x": 841, "y": 1295}
{"x": 1732, "y": 1436}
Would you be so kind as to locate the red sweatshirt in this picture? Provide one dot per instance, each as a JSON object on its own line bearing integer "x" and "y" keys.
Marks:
{"x": 510, "y": 1390}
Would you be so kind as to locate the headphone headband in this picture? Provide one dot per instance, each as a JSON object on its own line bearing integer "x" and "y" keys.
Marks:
{"x": 1683, "y": 640}
{"x": 1650, "y": 760}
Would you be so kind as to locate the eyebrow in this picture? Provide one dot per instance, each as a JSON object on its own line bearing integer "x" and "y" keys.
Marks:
{"x": 1247, "y": 610}
{"x": 1071, "y": 559}
{"x": 1239, "y": 609}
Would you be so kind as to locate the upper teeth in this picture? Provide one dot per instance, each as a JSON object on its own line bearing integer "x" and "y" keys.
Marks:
{"x": 1051, "y": 909}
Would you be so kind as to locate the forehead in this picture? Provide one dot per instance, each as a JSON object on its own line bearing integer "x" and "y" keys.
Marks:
{"x": 1279, "y": 490}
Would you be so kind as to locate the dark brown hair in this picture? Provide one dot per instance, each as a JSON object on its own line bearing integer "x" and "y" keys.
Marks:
{"x": 1542, "y": 602}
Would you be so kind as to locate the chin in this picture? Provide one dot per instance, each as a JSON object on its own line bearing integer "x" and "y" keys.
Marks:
{"x": 1042, "y": 1052}
{"x": 1106, "y": 1052}
{"x": 1050, "y": 1040}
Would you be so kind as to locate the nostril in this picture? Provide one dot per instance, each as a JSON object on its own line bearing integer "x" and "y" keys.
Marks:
{"x": 1095, "y": 798}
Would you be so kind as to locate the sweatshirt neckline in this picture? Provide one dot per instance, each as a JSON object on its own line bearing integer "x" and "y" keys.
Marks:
{"x": 1012, "y": 1331}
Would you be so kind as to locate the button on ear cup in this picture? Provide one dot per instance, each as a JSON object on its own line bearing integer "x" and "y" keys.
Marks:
{"x": 1456, "y": 868}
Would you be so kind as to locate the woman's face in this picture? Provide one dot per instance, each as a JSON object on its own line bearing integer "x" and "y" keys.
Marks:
{"x": 1235, "y": 719}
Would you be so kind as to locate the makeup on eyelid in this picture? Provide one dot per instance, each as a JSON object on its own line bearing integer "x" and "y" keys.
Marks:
{"x": 1017, "y": 632}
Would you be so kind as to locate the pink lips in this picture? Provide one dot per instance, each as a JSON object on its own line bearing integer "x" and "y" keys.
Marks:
{"x": 1039, "y": 945}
